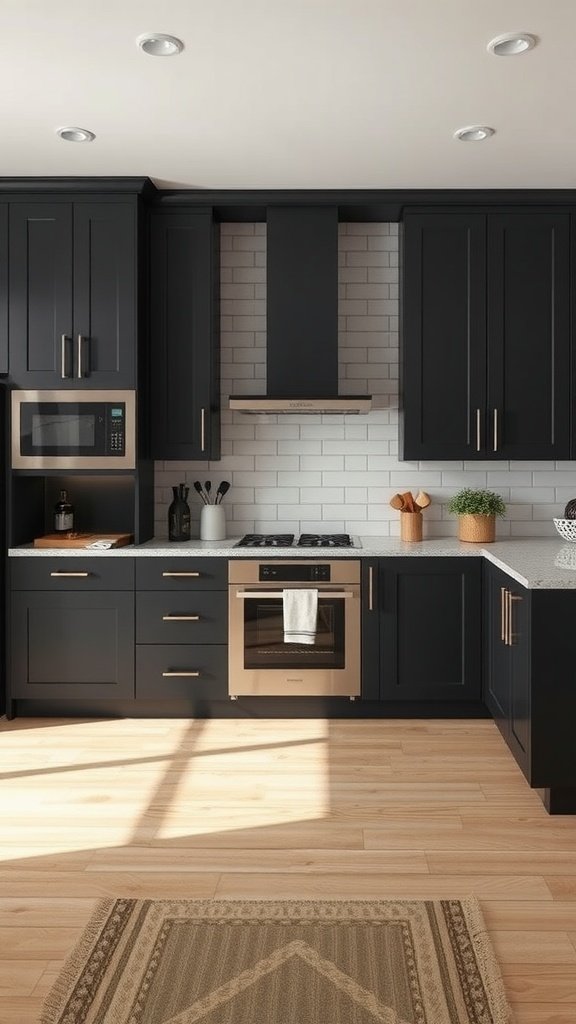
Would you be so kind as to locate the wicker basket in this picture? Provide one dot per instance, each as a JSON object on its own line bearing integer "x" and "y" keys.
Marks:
{"x": 410, "y": 526}
{"x": 566, "y": 528}
{"x": 477, "y": 529}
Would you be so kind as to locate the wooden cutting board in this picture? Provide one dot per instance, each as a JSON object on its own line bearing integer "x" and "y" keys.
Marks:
{"x": 81, "y": 540}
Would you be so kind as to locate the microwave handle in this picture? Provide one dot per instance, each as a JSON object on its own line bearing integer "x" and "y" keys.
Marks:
{"x": 64, "y": 339}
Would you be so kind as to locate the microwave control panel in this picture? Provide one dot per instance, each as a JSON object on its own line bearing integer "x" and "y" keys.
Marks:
{"x": 116, "y": 429}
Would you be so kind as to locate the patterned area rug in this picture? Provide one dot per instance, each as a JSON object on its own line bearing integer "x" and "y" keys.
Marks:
{"x": 224, "y": 962}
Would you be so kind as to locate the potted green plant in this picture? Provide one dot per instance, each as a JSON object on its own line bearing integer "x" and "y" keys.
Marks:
{"x": 477, "y": 511}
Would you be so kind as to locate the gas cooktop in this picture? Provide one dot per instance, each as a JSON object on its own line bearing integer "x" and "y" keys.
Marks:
{"x": 305, "y": 540}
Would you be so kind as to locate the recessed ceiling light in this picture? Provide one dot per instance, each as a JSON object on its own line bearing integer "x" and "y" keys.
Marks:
{"x": 157, "y": 44}
{"x": 75, "y": 134}
{"x": 511, "y": 44}
{"x": 474, "y": 133}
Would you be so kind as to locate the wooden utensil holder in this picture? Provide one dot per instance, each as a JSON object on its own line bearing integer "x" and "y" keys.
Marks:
{"x": 410, "y": 526}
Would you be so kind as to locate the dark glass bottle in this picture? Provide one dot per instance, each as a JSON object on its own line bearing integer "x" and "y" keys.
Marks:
{"x": 63, "y": 514}
{"x": 179, "y": 514}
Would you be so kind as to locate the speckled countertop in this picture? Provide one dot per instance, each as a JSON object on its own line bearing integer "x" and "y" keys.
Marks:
{"x": 537, "y": 563}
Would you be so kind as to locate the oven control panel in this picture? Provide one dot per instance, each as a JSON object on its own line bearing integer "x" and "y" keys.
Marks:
{"x": 292, "y": 573}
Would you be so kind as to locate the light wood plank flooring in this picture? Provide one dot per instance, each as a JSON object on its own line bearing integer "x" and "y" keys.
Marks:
{"x": 278, "y": 809}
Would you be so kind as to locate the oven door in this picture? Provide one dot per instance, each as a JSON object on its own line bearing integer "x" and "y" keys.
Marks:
{"x": 260, "y": 663}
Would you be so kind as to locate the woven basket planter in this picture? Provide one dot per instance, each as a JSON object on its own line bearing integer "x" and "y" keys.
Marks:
{"x": 477, "y": 529}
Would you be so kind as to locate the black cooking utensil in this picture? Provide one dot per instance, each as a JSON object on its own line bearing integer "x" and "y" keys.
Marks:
{"x": 198, "y": 487}
{"x": 223, "y": 489}
{"x": 208, "y": 488}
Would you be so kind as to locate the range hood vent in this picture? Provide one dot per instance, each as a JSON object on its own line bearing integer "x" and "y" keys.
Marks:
{"x": 302, "y": 316}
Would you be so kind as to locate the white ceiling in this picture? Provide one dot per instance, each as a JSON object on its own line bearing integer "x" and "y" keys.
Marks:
{"x": 290, "y": 93}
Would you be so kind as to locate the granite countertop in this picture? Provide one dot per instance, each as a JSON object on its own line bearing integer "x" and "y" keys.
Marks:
{"x": 536, "y": 562}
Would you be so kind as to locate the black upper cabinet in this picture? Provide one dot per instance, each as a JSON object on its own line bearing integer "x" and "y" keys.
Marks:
{"x": 486, "y": 346}
{"x": 185, "y": 336}
{"x": 72, "y": 294}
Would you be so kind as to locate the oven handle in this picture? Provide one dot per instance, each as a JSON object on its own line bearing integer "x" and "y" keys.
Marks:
{"x": 246, "y": 594}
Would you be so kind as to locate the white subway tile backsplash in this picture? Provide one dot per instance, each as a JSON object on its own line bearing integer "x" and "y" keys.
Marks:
{"x": 337, "y": 473}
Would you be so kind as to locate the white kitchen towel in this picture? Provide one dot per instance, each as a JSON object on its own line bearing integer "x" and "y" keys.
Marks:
{"x": 300, "y": 612}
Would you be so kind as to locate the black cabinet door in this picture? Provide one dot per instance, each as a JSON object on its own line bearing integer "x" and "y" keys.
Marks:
{"x": 443, "y": 360}
{"x": 528, "y": 409}
{"x": 3, "y": 288}
{"x": 68, "y": 646}
{"x": 40, "y": 295}
{"x": 184, "y": 336}
{"x": 496, "y": 650}
{"x": 370, "y": 630}
{"x": 105, "y": 315}
{"x": 430, "y": 622}
{"x": 520, "y": 680}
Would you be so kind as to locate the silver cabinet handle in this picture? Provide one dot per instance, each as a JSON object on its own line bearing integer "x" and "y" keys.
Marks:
{"x": 370, "y": 588}
{"x": 77, "y": 574}
{"x": 180, "y": 618}
{"x": 478, "y": 440}
{"x": 511, "y": 597}
{"x": 79, "y": 356}
{"x": 503, "y": 623}
{"x": 181, "y": 574}
{"x": 202, "y": 430}
{"x": 495, "y": 430}
{"x": 246, "y": 595}
{"x": 64, "y": 339}
{"x": 180, "y": 675}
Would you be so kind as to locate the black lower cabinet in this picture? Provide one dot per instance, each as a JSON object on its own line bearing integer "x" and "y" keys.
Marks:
{"x": 182, "y": 630}
{"x": 72, "y": 646}
{"x": 530, "y": 653}
{"x": 507, "y": 661}
{"x": 422, "y": 629}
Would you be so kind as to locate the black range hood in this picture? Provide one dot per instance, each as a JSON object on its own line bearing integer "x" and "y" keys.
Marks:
{"x": 302, "y": 316}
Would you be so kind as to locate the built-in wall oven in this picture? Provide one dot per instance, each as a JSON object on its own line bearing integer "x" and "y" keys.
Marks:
{"x": 261, "y": 663}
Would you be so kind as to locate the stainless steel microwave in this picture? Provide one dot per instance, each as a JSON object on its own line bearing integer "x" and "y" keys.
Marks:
{"x": 73, "y": 430}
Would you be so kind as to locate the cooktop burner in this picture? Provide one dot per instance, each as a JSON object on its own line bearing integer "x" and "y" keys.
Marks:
{"x": 325, "y": 540}
{"x": 306, "y": 540}
{"x": 266, "y": 540}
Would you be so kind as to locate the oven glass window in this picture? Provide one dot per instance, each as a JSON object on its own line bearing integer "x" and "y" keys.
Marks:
{"x": 59, "y": 430}
{"x": 264, "y": 645}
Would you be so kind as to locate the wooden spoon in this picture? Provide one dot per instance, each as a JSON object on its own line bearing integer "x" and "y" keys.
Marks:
{"x": 422, "y": 500}
{"x": 408, "y": 502}
{"x": 397, "y": 501}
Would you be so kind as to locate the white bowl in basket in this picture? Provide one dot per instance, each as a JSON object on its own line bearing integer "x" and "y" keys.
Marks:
{"x": 566, "y": 528}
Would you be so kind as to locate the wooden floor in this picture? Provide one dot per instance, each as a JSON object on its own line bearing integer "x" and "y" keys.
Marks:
{"x": 278, "y": 809}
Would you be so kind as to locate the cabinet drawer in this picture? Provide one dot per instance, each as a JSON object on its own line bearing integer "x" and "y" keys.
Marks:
{"x": 194, "y": 670}
{"x": 166, "y": 617}
{"x": 181, "y": 573}
{"x": 72, "y": 573}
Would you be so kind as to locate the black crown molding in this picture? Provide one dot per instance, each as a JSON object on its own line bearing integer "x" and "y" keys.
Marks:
{"x": 251, "y": 204}
{"x": 28, "y": 185}
{"x": 353, "y": 204}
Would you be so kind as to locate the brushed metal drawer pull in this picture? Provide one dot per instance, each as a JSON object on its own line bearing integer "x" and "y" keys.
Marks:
{"x": 78, "y": 574}
{"x": 180, "y": 618}
{"x": 495, "y": 430}
{"x": 503, "y": 614}
{"x": 202, "y": 430}
{"x": 370, "y": 588}
{"x": 180, "y": 675}
{"x": 181, "y": 574}
{"x": 478, "y": 440}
